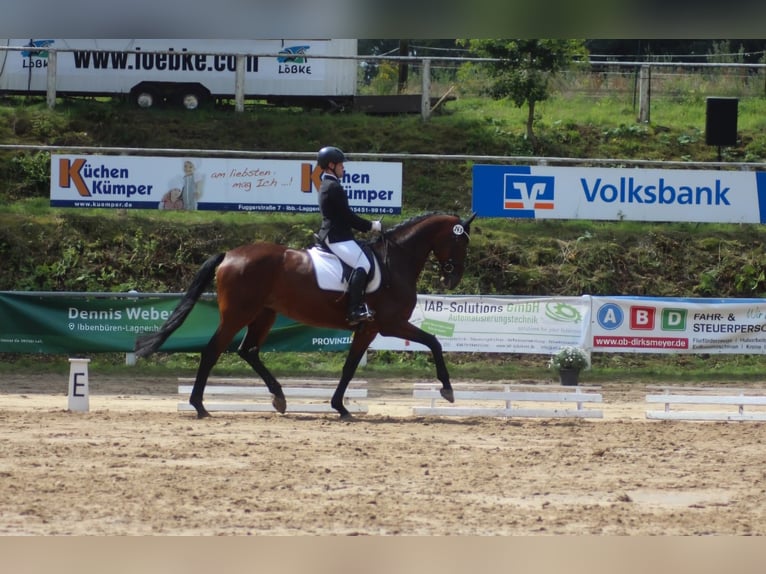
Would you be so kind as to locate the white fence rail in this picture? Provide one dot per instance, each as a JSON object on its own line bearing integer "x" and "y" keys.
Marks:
{"x": 677, "y": 400}
{"x": 251, "y": 395}
{"x": 570, "y": 403}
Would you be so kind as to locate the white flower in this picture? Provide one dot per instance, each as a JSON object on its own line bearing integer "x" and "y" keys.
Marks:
{"x": 569, "y": 357}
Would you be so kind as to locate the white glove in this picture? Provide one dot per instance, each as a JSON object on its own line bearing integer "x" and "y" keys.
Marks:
{"x": 376, "y": 227}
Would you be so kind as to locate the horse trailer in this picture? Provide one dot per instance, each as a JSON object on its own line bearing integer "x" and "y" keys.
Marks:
{"x": 188, "y": 73}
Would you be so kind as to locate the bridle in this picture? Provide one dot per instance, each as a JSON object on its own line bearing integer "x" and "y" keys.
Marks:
{"x": 458, "y": 230}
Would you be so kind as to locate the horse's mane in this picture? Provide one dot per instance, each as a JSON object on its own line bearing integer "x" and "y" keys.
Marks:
{"x": 411, "y": 222}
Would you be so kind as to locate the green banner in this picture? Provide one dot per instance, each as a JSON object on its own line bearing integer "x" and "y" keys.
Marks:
{"x": 106, "y": 322}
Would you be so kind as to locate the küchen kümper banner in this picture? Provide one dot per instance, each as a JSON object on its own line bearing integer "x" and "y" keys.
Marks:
{"x": 215, "y": 184}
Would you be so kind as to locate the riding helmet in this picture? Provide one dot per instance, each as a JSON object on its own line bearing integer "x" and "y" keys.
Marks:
{"x": 328, "y": 155}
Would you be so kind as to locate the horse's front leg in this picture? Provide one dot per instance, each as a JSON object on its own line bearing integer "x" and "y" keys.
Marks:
{"x": 410, "y": 332}
{"x": 362, "y": 339}
{"x": 253, "y": 358}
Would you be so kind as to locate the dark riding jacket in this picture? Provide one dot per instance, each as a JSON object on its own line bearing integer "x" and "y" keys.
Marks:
{"x": 338, "y": 220}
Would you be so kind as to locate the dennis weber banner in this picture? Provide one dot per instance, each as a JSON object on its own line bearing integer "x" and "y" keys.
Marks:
{"x": 87, "y": 323}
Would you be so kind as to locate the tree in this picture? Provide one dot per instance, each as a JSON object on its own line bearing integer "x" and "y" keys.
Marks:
{"x": 525, "y": 67}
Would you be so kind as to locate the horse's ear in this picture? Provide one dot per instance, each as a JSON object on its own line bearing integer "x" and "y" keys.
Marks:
{"x": 467, "y": 222}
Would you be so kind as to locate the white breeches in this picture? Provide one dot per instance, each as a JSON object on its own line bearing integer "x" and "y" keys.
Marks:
{"x": 350, "y": 253}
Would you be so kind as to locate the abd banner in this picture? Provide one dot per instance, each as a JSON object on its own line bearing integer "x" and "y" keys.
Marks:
{"x": 678, "y": 325}
{"x": 36, "y": 323}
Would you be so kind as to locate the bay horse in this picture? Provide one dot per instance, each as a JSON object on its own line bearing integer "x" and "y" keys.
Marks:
{"x": 257, "y": 281}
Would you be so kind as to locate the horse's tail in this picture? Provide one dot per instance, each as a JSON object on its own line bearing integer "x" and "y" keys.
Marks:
{"x": 149, "y": 343}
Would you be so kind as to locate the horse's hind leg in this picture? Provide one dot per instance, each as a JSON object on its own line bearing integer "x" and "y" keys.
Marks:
{"x": 249, "y": 350}
{"x": 207, "y": 361}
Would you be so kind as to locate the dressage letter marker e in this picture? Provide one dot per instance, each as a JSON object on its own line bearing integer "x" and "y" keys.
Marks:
{"x": 78, "y": 385}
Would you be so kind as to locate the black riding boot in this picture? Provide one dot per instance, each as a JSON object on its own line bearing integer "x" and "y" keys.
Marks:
{"x": 357, "y": 308}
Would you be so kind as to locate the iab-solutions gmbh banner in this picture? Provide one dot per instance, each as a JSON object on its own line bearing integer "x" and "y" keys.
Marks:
{"x": 215, "y": 184}
{"x": 540, "y": 192}
{"x": 485, "y": 324}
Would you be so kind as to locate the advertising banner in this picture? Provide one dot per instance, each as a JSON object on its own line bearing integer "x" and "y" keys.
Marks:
{"x": 215, "y": 184}
{"x": 677, "y": 325}
{"x": 92, "y": 323}
{"x": 69, "y": 324}
{"x": 497, "y": 325}
{"x": 540, "y": 192}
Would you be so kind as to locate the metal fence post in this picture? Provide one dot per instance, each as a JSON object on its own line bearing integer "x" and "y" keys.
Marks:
{"x": 50, "y": 95}
{"x": 239, "y": 84}
{"x": 425, "y": 99}
{"x": 644, "y": 93}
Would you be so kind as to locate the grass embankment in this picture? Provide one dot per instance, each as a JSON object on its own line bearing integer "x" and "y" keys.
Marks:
{"x": 109, "y": 250}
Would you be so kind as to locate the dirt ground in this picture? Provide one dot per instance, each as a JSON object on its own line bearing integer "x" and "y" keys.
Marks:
{"x": 134, "y": 465}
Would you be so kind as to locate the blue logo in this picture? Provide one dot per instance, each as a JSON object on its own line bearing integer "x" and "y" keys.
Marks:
{"x": 527, "y": 192}
{"x": 610, "y": 316}
{"x": 37, "y": 53}
{"x": 294, "y": 55}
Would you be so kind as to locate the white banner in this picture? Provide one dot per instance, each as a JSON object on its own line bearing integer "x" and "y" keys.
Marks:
{"x": 677, "y": 325}
{"x": 541, "y": 325}
{"x": 215, "y": 184}
{"x": 117, "y": 66}
{"x": 540, "y": 192}
{"x": 497, "y": 324}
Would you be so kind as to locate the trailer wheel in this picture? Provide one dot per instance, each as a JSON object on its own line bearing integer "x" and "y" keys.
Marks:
{"x": 192, "y": 98}
{"x": 190, "y": 101}
{"x": 145, "y": 98}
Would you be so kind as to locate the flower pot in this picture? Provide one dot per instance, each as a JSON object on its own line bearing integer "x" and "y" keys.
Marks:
{"x": 569, "y": 377}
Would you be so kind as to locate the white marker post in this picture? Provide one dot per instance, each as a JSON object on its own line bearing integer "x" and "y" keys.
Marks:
{"x": 78, "y": 385}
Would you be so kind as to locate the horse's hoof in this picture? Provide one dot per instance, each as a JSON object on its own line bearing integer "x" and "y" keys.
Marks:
{"x": 279, "y": 403}
{"x": 448, "y": 395}
{"x": 201, "y": 410}
{"x": 346, "y": 417}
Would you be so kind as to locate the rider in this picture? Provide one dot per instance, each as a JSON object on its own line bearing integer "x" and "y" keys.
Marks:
{"x": 336, "y": 232}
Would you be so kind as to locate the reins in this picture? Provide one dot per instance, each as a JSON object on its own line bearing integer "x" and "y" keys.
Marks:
{"x": 385, "y": 269}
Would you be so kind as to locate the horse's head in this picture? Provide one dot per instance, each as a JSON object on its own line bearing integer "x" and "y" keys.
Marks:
{"x": 450, "y": 249}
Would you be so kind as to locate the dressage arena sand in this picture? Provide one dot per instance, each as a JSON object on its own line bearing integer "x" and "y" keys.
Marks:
{"x": 133, "y": 465}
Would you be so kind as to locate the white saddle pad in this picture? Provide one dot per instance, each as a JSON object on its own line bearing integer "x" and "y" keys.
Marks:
{"x": 329, "y": 272}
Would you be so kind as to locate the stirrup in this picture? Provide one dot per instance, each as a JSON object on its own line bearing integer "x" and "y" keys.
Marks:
{"x": 361, "y": 313}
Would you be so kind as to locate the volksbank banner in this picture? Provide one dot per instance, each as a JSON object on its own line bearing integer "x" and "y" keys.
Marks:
{"x": 539, "y": 192}
{"x": 64, "y": 324}
{"x": 215, "y": 184}
{"x": 678, "y": 325}
{"x": 497, "y": 324}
